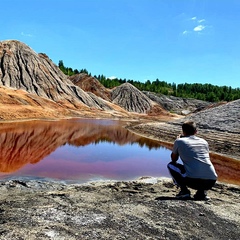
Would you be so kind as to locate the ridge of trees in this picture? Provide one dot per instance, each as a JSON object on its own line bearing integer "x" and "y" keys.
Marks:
{"x": 205, "y": 92}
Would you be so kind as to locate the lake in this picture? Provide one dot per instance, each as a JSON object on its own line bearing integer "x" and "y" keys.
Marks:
{"x": 83, "y": 150}
{"x": 78, "y": 150}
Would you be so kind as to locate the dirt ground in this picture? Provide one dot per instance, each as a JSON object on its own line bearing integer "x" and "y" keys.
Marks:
{"x": 143, "y": 209}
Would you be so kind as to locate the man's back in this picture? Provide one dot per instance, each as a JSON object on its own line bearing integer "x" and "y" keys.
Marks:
{"x": 194, "y": 153}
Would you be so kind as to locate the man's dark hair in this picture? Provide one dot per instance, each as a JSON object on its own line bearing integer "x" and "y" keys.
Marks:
{"x": 189, "y": 128}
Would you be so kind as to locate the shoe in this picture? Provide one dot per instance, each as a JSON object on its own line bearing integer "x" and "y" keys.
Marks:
{"x": 183, "y": 195}
{"x": 201, "y": 196}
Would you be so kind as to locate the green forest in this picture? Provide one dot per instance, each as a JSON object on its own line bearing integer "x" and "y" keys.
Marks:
{"x": 205, "y": 92}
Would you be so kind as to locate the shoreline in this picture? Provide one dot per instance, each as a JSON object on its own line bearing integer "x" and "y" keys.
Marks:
{"x": 102, "y": 182}
{"x": 227, "y": 165}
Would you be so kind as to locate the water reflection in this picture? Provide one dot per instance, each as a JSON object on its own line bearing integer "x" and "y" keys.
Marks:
{"x": 78, "y": 149}
{"x": 87, "y": 149}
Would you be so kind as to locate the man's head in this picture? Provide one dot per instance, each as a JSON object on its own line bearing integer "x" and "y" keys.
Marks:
{"x": 189, "y": 128}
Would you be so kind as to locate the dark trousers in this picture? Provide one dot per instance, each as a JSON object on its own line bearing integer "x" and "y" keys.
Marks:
{"x": 178, "y": 174}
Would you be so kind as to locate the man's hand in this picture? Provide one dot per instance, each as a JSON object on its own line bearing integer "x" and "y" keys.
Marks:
{"x": 174, "y": 157}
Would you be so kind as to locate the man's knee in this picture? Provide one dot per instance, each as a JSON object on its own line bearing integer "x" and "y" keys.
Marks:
{"x": 176, "y": 167}
{"x": 169, "y": 165}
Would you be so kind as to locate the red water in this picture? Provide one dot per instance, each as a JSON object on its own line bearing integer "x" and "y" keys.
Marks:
{"x": 85, "y": 150}
{"x": 78, "y": 151}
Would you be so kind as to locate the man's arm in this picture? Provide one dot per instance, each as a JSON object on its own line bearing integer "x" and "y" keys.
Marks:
{"x": 174, "y": 157}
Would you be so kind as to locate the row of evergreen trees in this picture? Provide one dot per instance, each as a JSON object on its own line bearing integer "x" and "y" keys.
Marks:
{"x": 206, "y": 92}
{"x": 69, "y": 71}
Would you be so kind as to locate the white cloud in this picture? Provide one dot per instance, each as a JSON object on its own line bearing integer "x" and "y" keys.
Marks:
{"x": 197, "y": 25}
{"x": 112, "y": 77}
{"x": 199, "y": 28}
{"x": 26, "y": 34}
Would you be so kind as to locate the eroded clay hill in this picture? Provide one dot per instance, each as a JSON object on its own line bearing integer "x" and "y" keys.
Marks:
{"x": 19, "y": 104}
{"x": 91, "y": 84}
{"x": 126, "y": 95}
{"x": 133, "y": 100}
{"x": 22, "y": 68}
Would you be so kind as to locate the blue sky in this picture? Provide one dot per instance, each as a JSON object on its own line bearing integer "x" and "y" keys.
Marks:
{"x": 193, "y": 41}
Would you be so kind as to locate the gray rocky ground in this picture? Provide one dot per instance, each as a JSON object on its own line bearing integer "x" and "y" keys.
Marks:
{"x": 120, "y": 210}
{"x": 178, "y": 105}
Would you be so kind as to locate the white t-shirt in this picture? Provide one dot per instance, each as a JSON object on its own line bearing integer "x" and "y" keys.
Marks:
{"x": 194, "y": 152}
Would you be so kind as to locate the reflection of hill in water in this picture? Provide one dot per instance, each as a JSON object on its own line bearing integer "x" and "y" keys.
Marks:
{"x": 30, "y": 142}
{"x": 113, "y": 133}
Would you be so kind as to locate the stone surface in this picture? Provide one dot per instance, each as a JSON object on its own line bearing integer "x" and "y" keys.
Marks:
{"x": 224, "y": 118}
{"x": 183, "y": 106}
{"x": 121, "y": 210}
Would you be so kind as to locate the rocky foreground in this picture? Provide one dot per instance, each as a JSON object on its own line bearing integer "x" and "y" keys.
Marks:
{"x": 121, "y": 210}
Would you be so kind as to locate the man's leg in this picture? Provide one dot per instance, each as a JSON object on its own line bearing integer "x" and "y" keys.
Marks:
{"x": 178, "y": 174}
{"x": 201, "y": 185}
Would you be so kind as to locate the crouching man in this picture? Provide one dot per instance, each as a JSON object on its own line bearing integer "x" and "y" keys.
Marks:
{"x": 197, "y": 171}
